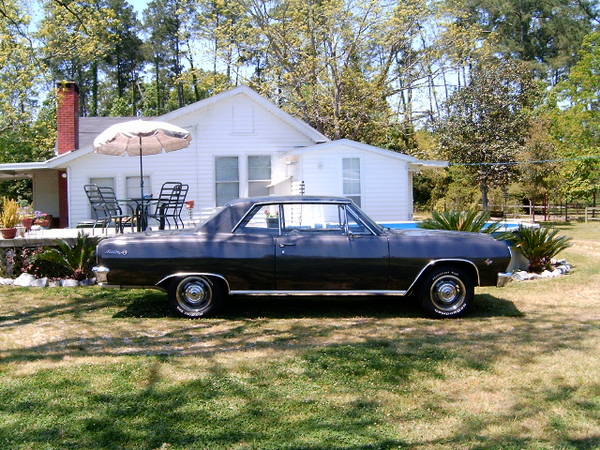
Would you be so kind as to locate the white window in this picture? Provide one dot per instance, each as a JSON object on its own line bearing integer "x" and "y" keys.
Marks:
{"x": 351, "y": 179}
{"x": 132, "y": 187}
{"x": 227, "y": 179}
{"x": 259, "y": 175}
{"x": 103, "y": 182}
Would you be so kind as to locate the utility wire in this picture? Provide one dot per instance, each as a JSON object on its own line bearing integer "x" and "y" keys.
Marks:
{"x": 514, "y": 163}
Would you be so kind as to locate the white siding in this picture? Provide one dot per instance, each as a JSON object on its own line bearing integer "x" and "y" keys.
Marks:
{"x": 258, "y": 132}
{"x": 385, "y": 190}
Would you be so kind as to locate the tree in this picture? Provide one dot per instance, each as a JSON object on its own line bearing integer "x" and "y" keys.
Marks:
{"x": 124, "y": 62}
{"x": 338, "y": 64}
{"x": 77, "y": 35}
{"x": 168, "y": 23}
{"x": 539, "y": 180}
{"x": 545, "y": 34}
{"x": 486, "y": 122}
{"x": 576, "y": 123}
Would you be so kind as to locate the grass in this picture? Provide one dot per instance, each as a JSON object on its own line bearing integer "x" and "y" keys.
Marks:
{"x": 97, "y": 368}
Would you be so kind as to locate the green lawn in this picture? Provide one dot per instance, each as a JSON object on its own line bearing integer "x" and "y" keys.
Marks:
{"x": 100, "y": 368}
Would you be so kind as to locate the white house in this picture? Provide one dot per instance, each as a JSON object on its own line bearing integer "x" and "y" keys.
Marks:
{"x": 242, "y": 146}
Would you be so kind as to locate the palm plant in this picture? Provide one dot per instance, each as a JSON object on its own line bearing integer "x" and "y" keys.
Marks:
{"x": 538, "y": 245}
{"x": 472, "y": 221}
{"x": 76, "y": 260}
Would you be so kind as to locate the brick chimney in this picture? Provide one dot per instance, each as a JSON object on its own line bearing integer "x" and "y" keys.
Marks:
{"x": 67, "y": 117}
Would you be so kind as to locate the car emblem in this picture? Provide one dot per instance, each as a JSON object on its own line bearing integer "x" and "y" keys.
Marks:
{"x": 487, "y": 261}
{"x": 112, "y": 251}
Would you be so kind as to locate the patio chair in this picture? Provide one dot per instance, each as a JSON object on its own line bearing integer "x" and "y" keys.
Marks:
{"x": 168, "y": 204}
{"x": 106, "y": 209}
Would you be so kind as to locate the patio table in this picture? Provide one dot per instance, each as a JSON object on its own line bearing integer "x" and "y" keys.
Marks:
{"x": 141, "y": 212}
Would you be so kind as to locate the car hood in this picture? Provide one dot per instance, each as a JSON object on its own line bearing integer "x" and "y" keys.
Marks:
{"x": 440, "y": 234}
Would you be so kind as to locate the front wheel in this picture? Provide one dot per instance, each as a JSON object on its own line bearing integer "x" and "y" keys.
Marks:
{"x": 195, "y": 296}
{"x": 446, "y": 292}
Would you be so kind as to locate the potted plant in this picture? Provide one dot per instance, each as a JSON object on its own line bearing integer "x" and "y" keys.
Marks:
{"x": 26, "y": 214}
{"x": 43, "y": 219}
{"x": 272, "y": 219}
{"x": 9, "y": 218}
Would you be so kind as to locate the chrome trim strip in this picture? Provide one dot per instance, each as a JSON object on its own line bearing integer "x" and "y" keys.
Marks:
{"x": 340, "y": 292}
{"x": 187, "y": 274}
{"x": 122, "y": 286}
{"x": 435, "y": 261}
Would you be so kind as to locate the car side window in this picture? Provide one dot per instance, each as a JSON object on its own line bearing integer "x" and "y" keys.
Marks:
{"x": 355, "y": 226}
{"x": 263, "y": 219}
{"x": 313, "y": 218}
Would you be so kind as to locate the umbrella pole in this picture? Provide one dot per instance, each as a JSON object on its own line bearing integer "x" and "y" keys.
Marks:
{"x": 141, "y": 172}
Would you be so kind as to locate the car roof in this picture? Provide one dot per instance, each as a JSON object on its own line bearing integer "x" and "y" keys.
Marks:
{"x": 290, "y": 198}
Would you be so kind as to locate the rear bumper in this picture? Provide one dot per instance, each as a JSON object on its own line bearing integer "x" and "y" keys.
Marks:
{"x": 101, "y": 273}
{"x": 503, "y": 279}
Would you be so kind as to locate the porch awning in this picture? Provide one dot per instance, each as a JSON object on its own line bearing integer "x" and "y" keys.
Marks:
{"x": 275, "y": 183}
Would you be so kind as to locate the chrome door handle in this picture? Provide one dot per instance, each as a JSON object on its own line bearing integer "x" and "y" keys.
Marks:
{"x": 287, "y": 244}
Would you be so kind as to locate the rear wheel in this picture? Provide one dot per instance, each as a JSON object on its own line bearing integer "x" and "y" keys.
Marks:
{"x": 446, "y": 292}
{"x": 195, "y": 296}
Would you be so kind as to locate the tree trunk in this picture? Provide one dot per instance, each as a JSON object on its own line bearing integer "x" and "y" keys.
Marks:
{"x": 94, "y": 111}
{"x": 484, "y": 196}
{"x": 157, "y": 81}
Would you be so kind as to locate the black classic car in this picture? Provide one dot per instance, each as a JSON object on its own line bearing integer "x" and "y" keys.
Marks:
{"x": 303, "y": 246}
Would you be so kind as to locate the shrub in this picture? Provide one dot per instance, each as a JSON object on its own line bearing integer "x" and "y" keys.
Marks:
{"x": 538, "y": 245}
{"x": 76, "y": 260}
{"x": 10, "y": 213}
{"x": 472, "y": 221}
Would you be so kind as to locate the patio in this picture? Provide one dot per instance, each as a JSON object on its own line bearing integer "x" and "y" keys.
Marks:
{"x": 49, "y": 237}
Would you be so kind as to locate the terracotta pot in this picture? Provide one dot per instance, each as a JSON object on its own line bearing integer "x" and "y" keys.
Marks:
{"x": 45, "y": 223}
{"x": 8, "y": 233}
{"x": 27, "y": 223}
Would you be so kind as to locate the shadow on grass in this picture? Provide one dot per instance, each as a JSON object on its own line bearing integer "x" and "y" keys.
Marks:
{"x": 154, "y": 305}
{"x": 263, "y": 406}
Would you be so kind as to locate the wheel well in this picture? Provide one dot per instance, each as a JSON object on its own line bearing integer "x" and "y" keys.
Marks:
{"x": 466, "y": 266}
{"x": 215, "y": 278}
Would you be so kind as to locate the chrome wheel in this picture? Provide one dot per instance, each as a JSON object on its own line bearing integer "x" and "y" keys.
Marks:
{"x": 194, "y": 295}
{"x": 448, "y": 293}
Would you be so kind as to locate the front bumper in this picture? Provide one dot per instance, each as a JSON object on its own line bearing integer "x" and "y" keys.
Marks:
{"x": 101, "y": 273}
{"x": 503, "y": 279}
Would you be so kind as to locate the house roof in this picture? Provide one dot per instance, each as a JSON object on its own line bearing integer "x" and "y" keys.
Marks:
{"x": 411, "y": 160}
{"x": 296, "y": 123}
{"x": 90, "y": 127}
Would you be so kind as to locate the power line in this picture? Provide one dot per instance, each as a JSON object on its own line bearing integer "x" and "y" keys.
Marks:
{"x": 515, "y": 163}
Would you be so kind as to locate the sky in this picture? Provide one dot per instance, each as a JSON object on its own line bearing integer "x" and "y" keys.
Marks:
{"x": 139, "y": 6}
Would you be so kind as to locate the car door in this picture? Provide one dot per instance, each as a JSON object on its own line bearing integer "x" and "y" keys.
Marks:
{"x": 318, "y": 251}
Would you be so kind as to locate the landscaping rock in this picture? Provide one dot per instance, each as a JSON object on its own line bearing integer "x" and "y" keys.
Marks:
{"x": 564, "y": 268}
{"x": 24, "y": 280}
{"x": 54, "y": 283}
{"x": 39, "y": 282}
{"x": 69, "y": 283}
{"x": 521, "y": 275}
{"x": 6, "y": 281}
{"x": 87, "y": 282}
